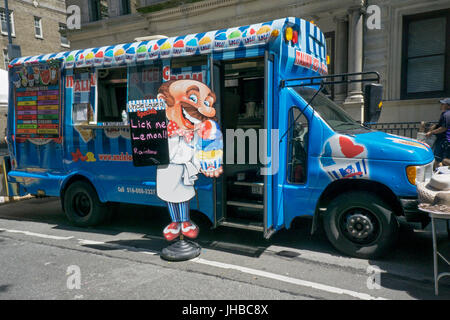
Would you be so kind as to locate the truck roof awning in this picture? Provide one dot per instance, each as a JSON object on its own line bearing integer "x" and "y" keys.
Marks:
{"x": 225, "y": 40}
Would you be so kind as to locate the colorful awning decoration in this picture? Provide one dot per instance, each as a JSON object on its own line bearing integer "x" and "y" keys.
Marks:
{"x": 200, "y": 43}
{"x": 218, "y": 41}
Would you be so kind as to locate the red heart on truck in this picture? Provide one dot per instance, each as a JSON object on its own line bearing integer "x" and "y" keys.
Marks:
{"x": 349, "y": 149}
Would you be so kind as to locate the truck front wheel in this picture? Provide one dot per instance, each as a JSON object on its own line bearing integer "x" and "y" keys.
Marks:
{"x": 361, "y": 225}
{"x": 82, "y": 205}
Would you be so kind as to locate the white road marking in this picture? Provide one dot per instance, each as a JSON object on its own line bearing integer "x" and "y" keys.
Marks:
{"x": 119, "y": 246}
{"x": 222, "y": 265}
{"x": 295, "y": 281}
{"x": 89, "y": 242}
{"x": 40, "y": 235}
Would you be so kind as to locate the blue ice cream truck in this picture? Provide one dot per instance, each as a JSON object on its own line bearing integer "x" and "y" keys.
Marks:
{"x": 288, "y": 150}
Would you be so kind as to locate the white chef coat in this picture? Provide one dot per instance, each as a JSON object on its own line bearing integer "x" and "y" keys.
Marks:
{"x": 175, "y": 181}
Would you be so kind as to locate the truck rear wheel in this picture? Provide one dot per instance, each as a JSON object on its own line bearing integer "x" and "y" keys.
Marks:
{"x": 361, "y": 225}
{"x": 82, "y": 205}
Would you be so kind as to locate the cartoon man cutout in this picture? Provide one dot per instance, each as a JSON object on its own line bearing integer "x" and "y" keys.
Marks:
{"x": 191, "y": 114}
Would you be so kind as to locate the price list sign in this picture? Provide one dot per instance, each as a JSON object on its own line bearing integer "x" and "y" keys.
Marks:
{"x": 37, "y": 102}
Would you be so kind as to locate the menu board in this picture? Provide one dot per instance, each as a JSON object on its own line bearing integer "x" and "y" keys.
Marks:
{"x": 37, "y": 101}
{"x": 148, "y": 129}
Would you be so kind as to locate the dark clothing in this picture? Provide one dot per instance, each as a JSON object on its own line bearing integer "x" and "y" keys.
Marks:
{"x": 444, "y": 121}
{"x": 441, "y": 149}
{"x": 442, "y": 144}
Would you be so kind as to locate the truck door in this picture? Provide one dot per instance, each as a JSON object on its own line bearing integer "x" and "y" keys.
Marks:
{"x": 244, "y": 90}
{"x": 299, "y": 173}
{"x": 270, "y": 211}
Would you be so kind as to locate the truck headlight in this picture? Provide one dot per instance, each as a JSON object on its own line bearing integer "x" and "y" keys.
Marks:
{"x": 419, "y": 173}
{"x": 411, "y": 173}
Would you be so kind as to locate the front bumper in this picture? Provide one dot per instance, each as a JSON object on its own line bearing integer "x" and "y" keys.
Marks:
{"x": 412, "y": 212}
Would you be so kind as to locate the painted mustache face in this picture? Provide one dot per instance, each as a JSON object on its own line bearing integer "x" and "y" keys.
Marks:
{"x": 192, "y": 116}
{"x": 189, "y": 103}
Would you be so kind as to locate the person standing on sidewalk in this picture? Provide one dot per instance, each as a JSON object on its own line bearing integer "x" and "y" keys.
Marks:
{"x": 442, "y": 132}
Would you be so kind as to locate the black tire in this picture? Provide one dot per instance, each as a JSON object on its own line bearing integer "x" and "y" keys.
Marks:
{"x": 82, "y": 205}
{"x": 361, "y": 225}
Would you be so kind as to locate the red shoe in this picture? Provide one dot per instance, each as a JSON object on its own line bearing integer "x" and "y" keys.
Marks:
{"x": 189, "y": 229}
{"x": 172, "y": 231}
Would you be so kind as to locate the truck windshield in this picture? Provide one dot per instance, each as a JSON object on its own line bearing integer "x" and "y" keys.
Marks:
{"x": 335, "y": 116}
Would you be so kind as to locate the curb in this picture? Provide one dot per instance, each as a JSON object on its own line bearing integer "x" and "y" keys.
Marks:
{"x": 6, "y": 200}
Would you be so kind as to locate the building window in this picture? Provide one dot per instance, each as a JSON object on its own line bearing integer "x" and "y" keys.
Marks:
{"x": 4, "y": 26}
{"x": 426, "y": 55}
{"x": 63, "y": 33}
{"x": 5, "y": 58}
{"x": 98, "y": 10}
{"x": 38, "y": 27}
{"x": 125, "y": 7}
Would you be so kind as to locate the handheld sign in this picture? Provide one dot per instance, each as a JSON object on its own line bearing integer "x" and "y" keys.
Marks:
{"x": 148, "y": 128}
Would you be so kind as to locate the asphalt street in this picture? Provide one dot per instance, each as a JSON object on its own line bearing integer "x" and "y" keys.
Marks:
{"x": 43, "y": 257}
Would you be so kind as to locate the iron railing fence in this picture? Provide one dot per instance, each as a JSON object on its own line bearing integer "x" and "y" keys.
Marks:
{"x": 405, "y": 129}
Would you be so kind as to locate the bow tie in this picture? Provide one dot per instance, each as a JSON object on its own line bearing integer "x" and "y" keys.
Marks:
{"x": 174, "y": 130}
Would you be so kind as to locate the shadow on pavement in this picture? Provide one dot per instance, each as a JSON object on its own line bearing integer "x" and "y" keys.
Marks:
{"x": 409, "y": 268}
{"x": 4, "y": 287}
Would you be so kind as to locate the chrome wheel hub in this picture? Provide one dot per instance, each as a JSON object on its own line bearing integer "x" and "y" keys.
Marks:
{"x": 359, "y": 226}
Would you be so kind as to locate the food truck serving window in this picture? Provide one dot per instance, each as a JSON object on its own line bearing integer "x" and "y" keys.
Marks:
{"x": 37, "y": 97}
{"x": 82, "y": 82}
{"x": 112, "y": 94}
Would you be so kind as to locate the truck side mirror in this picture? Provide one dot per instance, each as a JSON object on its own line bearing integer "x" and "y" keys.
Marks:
{"x": 373, "y": 94}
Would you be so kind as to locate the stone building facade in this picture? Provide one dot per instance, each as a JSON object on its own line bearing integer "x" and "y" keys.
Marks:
{"x": 35, "y": 27}
{"x": 410, "y": 49}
